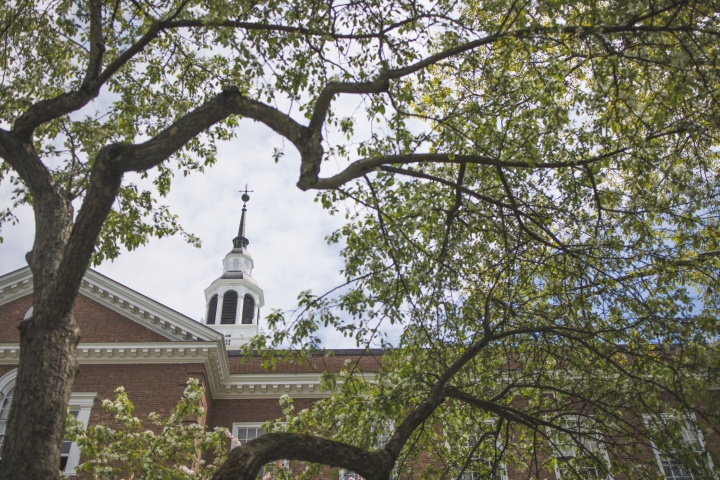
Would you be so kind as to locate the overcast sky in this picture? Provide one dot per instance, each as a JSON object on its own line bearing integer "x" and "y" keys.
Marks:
{"x": 285, "y": 227}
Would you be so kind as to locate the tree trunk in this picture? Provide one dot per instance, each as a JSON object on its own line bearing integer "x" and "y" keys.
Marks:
{"x": 48, "y": 340}
{"x": 37, "y": 420}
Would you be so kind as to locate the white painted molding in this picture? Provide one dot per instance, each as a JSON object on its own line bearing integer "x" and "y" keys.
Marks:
{"x": 15, "y": 285}
{"x": 7, "y": 379}
{"x": 188, "y": 341}
{"x": 121, "y": 299}
{"x": 222, "y": 383}
{"x": 83, "y": 401}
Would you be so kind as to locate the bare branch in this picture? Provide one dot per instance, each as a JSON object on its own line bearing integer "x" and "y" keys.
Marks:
{"x": 47, "y": 110}
{"x": 97, "y": 43}
{"x": 363, "y": 166}
{"x": 229, "y": 102}
{"x": 331, "y": 89}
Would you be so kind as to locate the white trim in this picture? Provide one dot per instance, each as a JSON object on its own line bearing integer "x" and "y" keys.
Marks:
{"x": 601, "y": 447}
{"x": 213, "y": 356}
{"x": 238, "y": 425}
{"x": 84, "y": 401}
{"x": 188, "y": 341}
{"x": 689, "y": 419}
{"x": 15, "y": 285}
{"x": 121, "y": 299}
{"x": 7, "y": 379}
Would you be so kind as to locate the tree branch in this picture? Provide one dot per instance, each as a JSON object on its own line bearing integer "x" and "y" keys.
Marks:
{"x": 245, "y": 462}
{"x": 47, "y": 110}
{"x": 230, "y": 102}
{"x": 97, "y": 43}
{"x": 322, "y": 104}
{"x": 26, "y": 162}
{"x": 114, "y": 160}
{"x": 363, "y": 166}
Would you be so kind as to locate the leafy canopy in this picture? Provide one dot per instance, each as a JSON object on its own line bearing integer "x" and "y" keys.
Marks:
{"x": 531, "y": 192}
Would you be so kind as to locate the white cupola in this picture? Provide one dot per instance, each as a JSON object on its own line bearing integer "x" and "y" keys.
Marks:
{"x": 233, "y": 301}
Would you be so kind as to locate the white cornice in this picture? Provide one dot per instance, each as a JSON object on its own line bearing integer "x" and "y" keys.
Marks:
{"x": 188, "y": 342}
{"x": 222, "y": 383}
{"x": 115, "y": 296}
{"x": 15, "y": 285}
{"x": 145, "y": 311}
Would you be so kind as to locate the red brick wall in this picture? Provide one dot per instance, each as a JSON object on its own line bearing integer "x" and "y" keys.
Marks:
{"x": 11, "y": 314}
{"x": 225, "y": 412}
{"x": 6, "y": 368}
{"x": 332, "y": 363}
{"x": 97, "y": 323}
{"x": 151, "y": 387}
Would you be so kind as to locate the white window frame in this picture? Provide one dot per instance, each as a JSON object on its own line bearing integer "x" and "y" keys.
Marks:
{"x": 80, "y": 401}
{"x": 238, "y": 425}
{"x": 556, "y": 445}
{"x": 83, "y": 402}
{"x": 689, "y": 421}
{"x": 382, "y": 440}
{"x": 502, "y": 468}
{"x": 345, "y": 475}
{"x": 7, "y": 381}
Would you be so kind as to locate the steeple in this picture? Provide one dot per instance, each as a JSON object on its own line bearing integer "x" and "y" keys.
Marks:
{"x": 233, "y": 300}
{"x": 241, "y": 240}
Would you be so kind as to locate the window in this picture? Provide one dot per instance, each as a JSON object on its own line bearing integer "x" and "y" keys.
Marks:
{"x": 212, "y": 310}
{"x": 495, "y": 471}
{"x": 67, "y": 445}
{"x": 671, "y": 466}
{"x": 248, "y": 311}
{"x": 229, "y": 308}
{"x": 6, "y": 396}
{"x": 345, "y": 475}
{"x": 80, "y": 406}
{"x": 246, "y": 432}
{"x": 579, "y": 451}
{"x": 473, "y": 461}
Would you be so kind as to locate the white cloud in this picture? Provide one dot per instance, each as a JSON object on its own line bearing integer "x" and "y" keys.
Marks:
{"x": 286, "y": 229}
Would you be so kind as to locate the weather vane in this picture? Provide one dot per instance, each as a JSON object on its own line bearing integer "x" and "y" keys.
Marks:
{"x": 245, "y": 197}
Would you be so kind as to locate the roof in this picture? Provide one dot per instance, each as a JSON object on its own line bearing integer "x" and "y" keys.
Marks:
{"x": 149, "y": 313}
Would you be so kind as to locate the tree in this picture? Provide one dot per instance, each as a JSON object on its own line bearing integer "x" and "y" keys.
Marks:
{"x": 543, "y": 191}
{"x": 173, "y": 451}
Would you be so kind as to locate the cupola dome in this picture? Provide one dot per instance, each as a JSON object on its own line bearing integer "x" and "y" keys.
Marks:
{"x": 234, "y": 299}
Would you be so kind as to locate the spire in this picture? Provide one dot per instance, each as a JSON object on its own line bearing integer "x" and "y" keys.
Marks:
{"x": 241, "y": 241}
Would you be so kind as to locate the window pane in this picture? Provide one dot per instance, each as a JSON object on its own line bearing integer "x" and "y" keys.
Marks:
{"x": 65, "y": 447}
{"x": 245, "y": 434}
{"x": 5, "y": 409}
{"x": 349, "y": 476}
{"x": 673, "y": 470}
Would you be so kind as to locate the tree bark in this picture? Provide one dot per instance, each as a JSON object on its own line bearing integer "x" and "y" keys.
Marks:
{"x": 48, "y": 340}
{"x": 46, "y": 373}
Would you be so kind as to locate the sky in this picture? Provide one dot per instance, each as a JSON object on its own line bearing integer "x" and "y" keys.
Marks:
{"x": 286, "y": 229}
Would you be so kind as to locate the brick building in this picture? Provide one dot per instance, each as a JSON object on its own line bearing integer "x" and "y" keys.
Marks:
{"x": 131, "y": 340}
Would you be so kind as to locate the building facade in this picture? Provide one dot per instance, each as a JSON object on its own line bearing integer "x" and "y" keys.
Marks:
{"x": 131, "y": 340}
